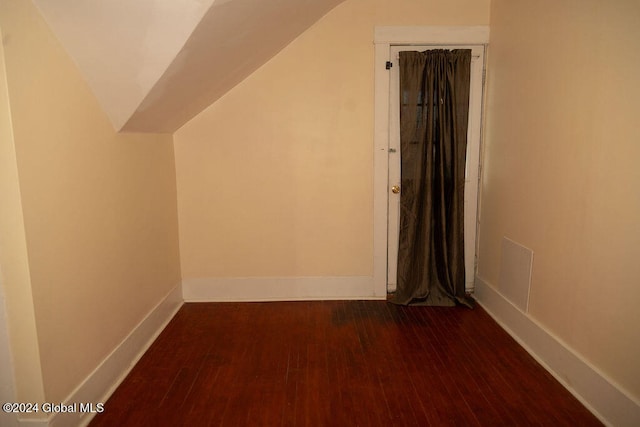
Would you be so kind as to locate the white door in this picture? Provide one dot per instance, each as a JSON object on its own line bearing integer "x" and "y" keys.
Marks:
{"x": 471, "y": 170}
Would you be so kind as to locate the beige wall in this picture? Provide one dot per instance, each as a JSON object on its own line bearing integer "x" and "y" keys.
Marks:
{"x": 99, "y": 210}
{"x": 275, "y": 178}
{"x": 14, "y": 265}
{"x": 561, "y": 170}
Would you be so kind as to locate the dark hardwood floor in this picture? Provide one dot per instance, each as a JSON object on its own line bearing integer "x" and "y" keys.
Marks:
{"x": 338, "y": 363}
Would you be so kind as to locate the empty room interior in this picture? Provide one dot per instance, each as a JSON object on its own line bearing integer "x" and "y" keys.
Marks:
{"x": 163, "y": 153}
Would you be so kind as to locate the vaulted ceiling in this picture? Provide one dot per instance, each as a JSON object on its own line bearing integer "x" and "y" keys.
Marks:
{"x": 155, "y": 64}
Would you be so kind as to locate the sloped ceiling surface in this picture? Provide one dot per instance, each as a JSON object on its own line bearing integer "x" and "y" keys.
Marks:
{"x": 155, "y": 64}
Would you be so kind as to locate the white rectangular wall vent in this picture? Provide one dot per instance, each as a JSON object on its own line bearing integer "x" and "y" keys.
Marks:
{"x": 515, "y": 273}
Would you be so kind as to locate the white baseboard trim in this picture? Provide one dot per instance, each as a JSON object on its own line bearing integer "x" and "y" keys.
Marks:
{"x": 606, "y": 400}
{"x": 32, "y": 422}
{"x": 103, "y": 381}
{"x": 278, "y": 288}
{"x": 22, "y": 422}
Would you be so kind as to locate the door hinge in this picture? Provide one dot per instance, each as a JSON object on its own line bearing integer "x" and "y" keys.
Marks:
{"x": 389, "y": 65}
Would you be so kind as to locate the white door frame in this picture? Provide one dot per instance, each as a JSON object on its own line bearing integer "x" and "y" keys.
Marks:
{"x": 385, "y": 37}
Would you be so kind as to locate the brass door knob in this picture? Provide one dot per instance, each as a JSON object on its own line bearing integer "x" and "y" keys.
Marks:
{"x": 395, "y": 189}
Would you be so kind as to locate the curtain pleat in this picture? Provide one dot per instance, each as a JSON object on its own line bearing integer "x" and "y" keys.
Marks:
{"x": 434, "y": 112}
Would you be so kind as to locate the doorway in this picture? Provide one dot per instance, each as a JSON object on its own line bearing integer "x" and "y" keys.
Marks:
{"x": 389, "y": 42}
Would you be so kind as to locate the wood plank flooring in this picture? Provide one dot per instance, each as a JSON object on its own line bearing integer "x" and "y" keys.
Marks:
{"x": 338, "y": 363}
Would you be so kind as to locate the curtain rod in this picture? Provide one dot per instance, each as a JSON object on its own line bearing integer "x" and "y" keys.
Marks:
{"x": 473, "y": 56}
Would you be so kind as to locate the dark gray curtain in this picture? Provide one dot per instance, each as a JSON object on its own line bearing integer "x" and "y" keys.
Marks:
{"x": 434, "y": 112}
